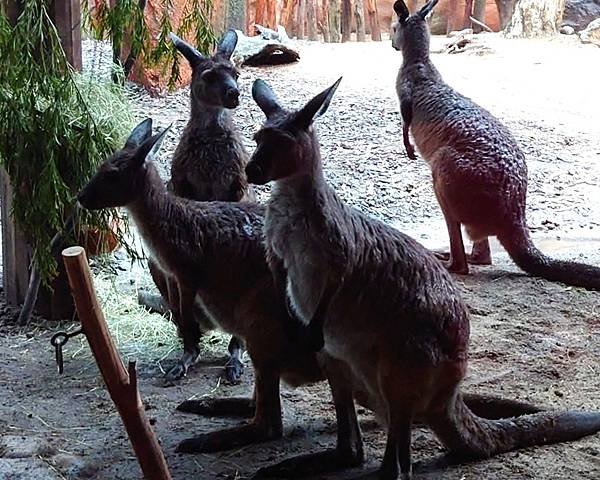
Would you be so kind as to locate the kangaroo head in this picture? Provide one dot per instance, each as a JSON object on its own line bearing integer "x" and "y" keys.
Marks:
{"x": 410, "y": 31}
{"x": 118, "y": 180}
{"x": 214, "y": 79}
{"x": 285, "y": 143}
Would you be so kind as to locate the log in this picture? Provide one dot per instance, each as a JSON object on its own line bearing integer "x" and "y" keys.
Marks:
{"x": 374, "y": 20}
{"x": 346, "y": 20}
{"x": 359, "y": 15}
{"x": 334, "y": 20}
{"x": 311, "y": 20}
{"x": 120, "y": 383}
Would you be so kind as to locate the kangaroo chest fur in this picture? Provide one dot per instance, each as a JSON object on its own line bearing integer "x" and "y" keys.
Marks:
{"x": 289, "y": 238}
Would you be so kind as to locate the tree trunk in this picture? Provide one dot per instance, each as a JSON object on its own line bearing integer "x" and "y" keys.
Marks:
{"x": 311, "y": 20}
{"x": 346, "y": 20}
{"x": 236, "y": 15}
{"x": 301, "y": 19}
{"x": 535, "y": 18}
{"x": 334, "y": 21}
{"x": 374, "y": 20}
{"x": 505, "y": 11}
{"x": 359, "y": 15}
{"x": 287, "y": 15}
{"x": 478, "y": 14}
{"x": 325, "y": 21}
{"x": 271, "y": 19}
{"x": 261, "y": 12}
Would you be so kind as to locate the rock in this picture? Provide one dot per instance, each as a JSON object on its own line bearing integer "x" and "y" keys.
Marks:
{"x": 21, "y": 446}
{"x": 567, "y": 30}
{"x": 579, "y": 13}
{"x": 25, "y": 469}
{"x": 74, "y": 467}
{"x": 591, "y": 34}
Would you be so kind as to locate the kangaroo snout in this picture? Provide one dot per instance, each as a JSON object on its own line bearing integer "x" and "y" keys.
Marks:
{"x": 255, "y": 174}
{"x": 232, "y": 97}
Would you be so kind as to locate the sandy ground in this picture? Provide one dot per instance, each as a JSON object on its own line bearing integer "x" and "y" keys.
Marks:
{"x": 531, "y": 339}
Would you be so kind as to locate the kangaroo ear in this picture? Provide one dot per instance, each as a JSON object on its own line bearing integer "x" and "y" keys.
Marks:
{"x": 150, "y": 147}
{"x": 427, "y": 8}
{"x": 401, "y": 10}
{"x": 227, "y": 44}
{"x": 265, "y": 97}
{"x": 190, "y": 53}
{"x": 315, "y": 107}
{"x": 140, "y": 134}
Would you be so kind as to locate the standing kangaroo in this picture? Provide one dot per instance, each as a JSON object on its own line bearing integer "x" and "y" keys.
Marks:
{"x": 208, "y": 164}
{"x": 215, "y": 251}
{"x": 389, "y": 309}
{"x": 479, "y": 172}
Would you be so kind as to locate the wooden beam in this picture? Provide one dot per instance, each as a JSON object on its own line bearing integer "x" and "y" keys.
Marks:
{"x": 120, "y": 383}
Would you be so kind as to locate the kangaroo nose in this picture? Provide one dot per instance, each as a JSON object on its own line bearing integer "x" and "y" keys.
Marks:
{"x": 232, "y": 97}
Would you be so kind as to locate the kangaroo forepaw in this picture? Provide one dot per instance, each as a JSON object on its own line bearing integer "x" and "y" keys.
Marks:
{"x": 234, "y": 369}
{"x": 410, "y": 151}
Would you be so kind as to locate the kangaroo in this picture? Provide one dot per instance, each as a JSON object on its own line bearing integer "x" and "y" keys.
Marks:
{"x": 392, "y": 312}
{"x": 208, "y": 164}
{"x": 215, "y": 251}
{"x": 479, "y": 172}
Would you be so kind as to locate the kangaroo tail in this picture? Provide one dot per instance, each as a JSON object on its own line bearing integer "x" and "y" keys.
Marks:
{"x": 519, "y": 246}
{"x": 492, "y": 407}
{"x": 469, "y": 436}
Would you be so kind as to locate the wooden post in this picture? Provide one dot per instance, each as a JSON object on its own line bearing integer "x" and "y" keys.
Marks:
{"x": 120, "y": 383}
{"x": 311, "y": 20}
{"x": 346, "y": 20}
{"x": 374, "y": 20}
{"x": 15, "y": 251}
{"x": 334, "y": 21}
{"x": 359, "y": 15}
{"x": 66, "y": 15}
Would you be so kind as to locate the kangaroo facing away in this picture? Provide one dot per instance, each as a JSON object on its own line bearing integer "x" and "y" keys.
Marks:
{"x": 215, "y": 251}
{"x": 479, "y": 172}
{"x": 208, "y": 164}
{"x": 392, "y": 312}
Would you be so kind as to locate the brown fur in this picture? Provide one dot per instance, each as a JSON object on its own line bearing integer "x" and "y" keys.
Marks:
{"x": 479, "y": 172}
{"x": 394, "y": 316}
{"x": 208, "y": 164}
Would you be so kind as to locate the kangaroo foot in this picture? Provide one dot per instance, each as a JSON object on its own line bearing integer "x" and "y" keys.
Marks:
{"x": 457, "y": 267}
{"x": 180, "y": 370}
{"x": 220, "y": 407}
{"x": 234, "y": 368}
{"x": 310, "y": 464}
{"x": 153, "y": 303}
{"x": 473, "y": 259}
{"x": 227, "y": 439}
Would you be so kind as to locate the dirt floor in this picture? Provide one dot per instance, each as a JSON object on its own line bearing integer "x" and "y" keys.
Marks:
{"x": 531, "y": 339}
